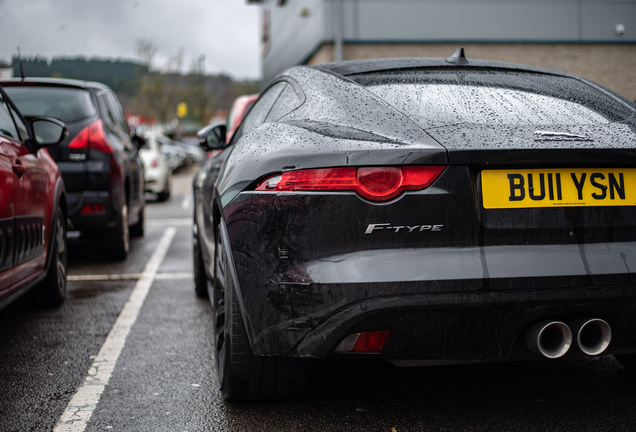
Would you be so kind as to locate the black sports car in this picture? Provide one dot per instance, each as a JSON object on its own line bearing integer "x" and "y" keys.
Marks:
{"x": 422, "y": 211}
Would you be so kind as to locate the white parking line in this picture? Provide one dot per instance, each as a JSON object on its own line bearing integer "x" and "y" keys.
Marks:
{"x": 129, "y": 276}
{"x": 169, "y": 221}
{"x": 187, "y": 200}
{"x": 84, "y": 401}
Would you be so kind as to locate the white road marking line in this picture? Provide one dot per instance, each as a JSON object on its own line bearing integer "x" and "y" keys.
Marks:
{"x": 185, "y": 275}
{"x": 84, "y": 401}
{"x": 172, "y": 221}
{"x": 187, "y": 200}
{"x": 129, "y": 276}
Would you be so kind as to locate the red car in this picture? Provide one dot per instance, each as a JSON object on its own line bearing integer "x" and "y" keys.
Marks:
{"x": 32, "y": 208}
{"x": 239, "y": 108}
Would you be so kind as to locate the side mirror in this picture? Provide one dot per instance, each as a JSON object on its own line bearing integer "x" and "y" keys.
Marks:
{"x": 139, "y": 141}
{"x": 213, "y": 139}
{"x": 137, "y": 138}
{"x": 48, "y": 131}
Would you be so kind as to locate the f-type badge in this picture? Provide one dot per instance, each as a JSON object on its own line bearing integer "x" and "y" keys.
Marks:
{"x": 559, "y": 136}
{"x": 401, "y": 228}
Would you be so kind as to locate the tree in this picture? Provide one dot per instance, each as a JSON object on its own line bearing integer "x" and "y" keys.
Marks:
{"x": 146, "y": 50}
{"x": 200, "y": 96}
{"x": 159, "y": 89}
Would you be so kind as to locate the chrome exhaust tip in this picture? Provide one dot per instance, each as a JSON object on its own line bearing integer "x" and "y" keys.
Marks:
{"x": 550, "y": 339}
{"x": 593, "y": 335}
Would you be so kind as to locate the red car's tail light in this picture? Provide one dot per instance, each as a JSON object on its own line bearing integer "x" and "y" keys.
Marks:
{"x": 374, "y": 183}
{"x": 367, "y": 342}
{"x": 92, "y": 137}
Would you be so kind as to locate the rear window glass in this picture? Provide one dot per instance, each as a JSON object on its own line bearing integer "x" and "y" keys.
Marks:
{"x": 514, "y": 99}
{"x": 66, "y": 104}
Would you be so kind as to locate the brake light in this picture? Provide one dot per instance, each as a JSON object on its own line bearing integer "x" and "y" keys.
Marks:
{"x": 154, "y": 163}
{"x": 92, "y": 137}
{"x": 374, "y": 183}
{"x": 89, "y": 209}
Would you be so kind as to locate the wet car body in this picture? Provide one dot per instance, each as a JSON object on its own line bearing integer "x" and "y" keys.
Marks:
{"x": 32, "y": 209}
{"x": 99, "y": 160}
{"x": 446, "y": 274}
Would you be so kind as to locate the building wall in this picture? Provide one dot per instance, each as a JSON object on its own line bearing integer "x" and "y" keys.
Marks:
{"x": 292, "y": 38}
{"x": 486, "y": 20}
{"x": 577, "y": 36}
{"x": 611, "y": 65}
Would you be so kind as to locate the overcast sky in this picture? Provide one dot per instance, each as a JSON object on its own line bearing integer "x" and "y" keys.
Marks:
{"x": 225, "y": 31}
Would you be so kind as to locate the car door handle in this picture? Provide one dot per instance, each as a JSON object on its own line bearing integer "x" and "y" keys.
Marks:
{"x": 18, "y": 168}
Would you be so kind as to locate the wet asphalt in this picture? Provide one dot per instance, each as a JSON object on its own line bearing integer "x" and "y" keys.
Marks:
{"x": 164, "y": 378}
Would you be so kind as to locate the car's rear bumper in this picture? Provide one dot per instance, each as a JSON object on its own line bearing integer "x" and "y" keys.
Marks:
{"x": 91, "y": 221}
{"x": 448, "y": 304}
{"x": 476, "y": 326}
{"x": 156, "y": 181}
{"x": 155, "y": 187}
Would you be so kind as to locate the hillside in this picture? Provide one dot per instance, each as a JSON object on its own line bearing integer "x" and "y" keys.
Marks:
{"x": 151, "y": 94}
{"x": 120, "y": 75}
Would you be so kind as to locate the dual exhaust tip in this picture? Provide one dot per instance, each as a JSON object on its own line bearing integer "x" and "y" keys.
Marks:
{"x": 552, "y": 339}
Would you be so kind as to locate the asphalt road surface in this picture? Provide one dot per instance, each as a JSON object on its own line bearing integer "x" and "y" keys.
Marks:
{"x": 130, "y": 350}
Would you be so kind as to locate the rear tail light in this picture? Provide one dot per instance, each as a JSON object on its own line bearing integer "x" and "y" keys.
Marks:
{"x": 92, "y": 137}
{"x": 154, "y": 163}
{"x": 368, "y": 342}
{"x": 91, "y": 209}
{"x": 374, "y": 183}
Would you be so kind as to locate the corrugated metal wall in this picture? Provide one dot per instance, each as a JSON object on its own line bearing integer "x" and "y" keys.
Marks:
{"x": 301, "y": 30}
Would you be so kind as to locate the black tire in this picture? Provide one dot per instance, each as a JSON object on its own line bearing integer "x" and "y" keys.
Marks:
{"x": 243, "y": 376}
{"x": 116, "y": 243}
{"x": 52, "y": 291}
{"x": 137, "y": 230}
{"x": 200, "y": 277}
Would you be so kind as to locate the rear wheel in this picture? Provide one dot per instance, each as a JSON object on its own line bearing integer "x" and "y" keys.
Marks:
{"x": 117, "y": 241}
{"x": 52, "y": 291}
{"x": 241, "y": 374}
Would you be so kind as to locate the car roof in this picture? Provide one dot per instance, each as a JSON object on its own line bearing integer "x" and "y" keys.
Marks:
{"x": 456, "y": 61}
{"x": 57, "y": 82}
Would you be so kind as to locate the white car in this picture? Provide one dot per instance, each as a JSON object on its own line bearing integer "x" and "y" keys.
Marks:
{"x": 158, "y": 173}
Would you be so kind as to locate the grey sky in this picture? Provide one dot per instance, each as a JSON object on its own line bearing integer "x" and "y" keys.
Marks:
{"x": 225, "y": 31}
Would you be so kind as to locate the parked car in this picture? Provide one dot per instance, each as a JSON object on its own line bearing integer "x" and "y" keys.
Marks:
{"x": 175, "y": 156}
{"x": 158, "y": 174}
{"x": 99, "y": 159}
{"x": 33, "y": 252}
{"x": 422, "y": 211}
{"x": 194, "y": 153}
{"x": 240, "y": 106}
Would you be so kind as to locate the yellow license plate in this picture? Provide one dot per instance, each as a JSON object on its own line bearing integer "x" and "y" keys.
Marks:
{"x": 558, "y": 188}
